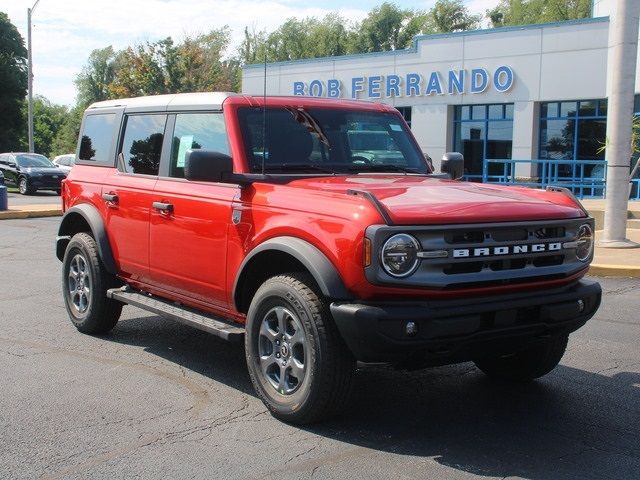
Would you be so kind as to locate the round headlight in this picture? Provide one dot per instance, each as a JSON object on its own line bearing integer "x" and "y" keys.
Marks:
{"x": 584, "y": 241}
{"x": 399, "y": 255}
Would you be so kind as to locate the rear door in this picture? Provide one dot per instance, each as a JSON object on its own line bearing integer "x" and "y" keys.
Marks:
{"x": 128, "y": 192}
{"x": 188, "y": 238}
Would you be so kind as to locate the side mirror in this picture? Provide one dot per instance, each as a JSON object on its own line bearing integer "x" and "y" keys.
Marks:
{"x": 453, "y": 164}
{"x": 207, "y": 165}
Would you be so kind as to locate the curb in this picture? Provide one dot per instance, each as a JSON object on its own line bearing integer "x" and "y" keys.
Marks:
{"x": 12, "y": 214}
{"x": 608, "y": 270}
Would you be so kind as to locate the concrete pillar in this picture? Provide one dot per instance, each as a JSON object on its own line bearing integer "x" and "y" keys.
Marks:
{"x": 621, "y": 73}
{"x": 525, "y": 131}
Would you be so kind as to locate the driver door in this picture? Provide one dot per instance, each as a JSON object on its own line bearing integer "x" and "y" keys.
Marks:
{"x": 188, "y": 232}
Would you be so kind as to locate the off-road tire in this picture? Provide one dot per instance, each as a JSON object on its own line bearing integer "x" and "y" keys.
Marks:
{"x": 100, "y": 314}
{"x": 23, "y": 186}
{"x": 532, "y": 362}
{"x": 329, "y": 366}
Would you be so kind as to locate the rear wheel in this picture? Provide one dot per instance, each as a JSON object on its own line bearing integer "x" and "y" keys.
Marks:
{"x": 297, "y": 361}
{"x": 528, "y": 364}
{"x": 85, "y": 282}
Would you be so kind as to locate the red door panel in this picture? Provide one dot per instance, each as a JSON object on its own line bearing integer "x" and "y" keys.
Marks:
{"x": 188, "y": 243}
{"x": 128, "y": 200}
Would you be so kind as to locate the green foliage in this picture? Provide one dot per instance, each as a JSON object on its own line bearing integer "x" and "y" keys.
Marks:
{"x": 194, "y": 65}
{"x": 453, "y": 16}
{"x": 388, "y": 27}
{"x": 13, "y": 85}
{"x": 94, "y": 79}
{"x": 48, "y": 119}
{"x": 523, "y": 12}
{"x": 66, "y": 137}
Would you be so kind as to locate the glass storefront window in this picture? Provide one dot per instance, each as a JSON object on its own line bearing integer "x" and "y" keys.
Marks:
{"x": 406, "y": 114}
{"x": 483, "y": 132}
{"x": 573, "y": 131}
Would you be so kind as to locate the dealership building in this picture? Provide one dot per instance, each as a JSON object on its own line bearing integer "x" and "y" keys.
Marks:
{"x": 525, "y": 104}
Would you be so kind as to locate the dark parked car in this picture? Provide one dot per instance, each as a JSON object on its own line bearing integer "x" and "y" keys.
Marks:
{"x": 1, "y": 178}
{"x": 30, "y": 172}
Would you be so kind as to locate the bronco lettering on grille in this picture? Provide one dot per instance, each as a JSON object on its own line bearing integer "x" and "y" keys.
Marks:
{"x": 506, "y": 250}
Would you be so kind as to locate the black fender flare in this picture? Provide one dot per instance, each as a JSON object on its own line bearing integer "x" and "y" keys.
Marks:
{"x": 93, "y": 218}
{"x": 316, "y": 262}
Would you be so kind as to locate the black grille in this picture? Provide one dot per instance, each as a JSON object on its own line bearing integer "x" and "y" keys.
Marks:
{"x": 487, "y": 254}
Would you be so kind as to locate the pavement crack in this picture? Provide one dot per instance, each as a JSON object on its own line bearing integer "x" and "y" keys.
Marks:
{"x": 302, "y": 454}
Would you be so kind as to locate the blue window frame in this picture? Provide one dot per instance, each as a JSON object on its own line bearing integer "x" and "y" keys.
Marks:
{"x": 483, "y": 132}
{"x": 573, "y": 130}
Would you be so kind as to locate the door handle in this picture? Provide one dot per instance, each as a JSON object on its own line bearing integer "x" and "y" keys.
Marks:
{"x": 163, "y": 207}
{"x": 110, "y": 198}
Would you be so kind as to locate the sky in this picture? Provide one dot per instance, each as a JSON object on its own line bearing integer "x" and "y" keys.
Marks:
{"x": 66, "y": 31}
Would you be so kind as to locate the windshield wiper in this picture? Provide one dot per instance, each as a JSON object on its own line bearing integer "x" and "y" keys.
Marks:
{"x": 308, "y": 121}
{"x": 288, "y": 167}
{"x": 382, "y": 167}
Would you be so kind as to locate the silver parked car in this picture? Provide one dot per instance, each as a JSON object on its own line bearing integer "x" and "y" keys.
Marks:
{"x": 65, "y": 162}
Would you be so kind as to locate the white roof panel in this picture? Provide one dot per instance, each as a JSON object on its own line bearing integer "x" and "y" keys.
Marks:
{"x": 178, "y": 101}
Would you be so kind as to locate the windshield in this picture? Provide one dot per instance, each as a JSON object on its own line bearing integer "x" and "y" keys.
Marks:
{"x": 33, "y": 160}
{"x": 323, "y": 140}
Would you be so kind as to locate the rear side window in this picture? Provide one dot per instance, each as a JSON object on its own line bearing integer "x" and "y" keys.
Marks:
{"x": 196, "y": 131}
{"x": 142, "y": 143}
{"x": 96, "y": 137}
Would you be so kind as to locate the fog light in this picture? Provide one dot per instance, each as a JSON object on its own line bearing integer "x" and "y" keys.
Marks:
{"x": 581, "y": 305}
{"x": 411, "y": 328}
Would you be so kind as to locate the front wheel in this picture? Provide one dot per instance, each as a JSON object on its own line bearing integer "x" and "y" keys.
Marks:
{"x": 297, "y": 361}
{"x": 528, "y": 364}
{"x": 85, "y": 282}
{"x": 23, "y": 186}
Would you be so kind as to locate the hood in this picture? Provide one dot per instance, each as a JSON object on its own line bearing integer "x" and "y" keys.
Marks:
{"x": 47, "y": 170}
{"x": 411, "y": 200}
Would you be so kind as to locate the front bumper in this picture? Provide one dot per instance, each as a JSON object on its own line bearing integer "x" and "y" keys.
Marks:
{"x": 459, "y": 330}
{"x": 45, "y": 183}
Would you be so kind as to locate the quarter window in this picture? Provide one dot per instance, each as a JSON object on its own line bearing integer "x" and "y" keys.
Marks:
{"x": 95, "y": 141}
{"x": 142, "y": 143}
{"x": 196, "y": 131}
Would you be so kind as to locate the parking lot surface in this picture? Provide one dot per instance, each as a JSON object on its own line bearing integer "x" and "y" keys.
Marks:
{"x": 155, "y": 399}
{"x": 44, "y": 197}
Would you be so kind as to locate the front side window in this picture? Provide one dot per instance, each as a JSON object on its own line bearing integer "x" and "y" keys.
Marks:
{"x": 302, "y": 140}
{"x": 196, "y": 131}
{"x": 96, "y": 137}
{"x": 142, "y": 143}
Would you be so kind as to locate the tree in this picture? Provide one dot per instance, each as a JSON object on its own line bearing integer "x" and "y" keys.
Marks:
{"x": 13, "y": 85}
{"x": 523, "y": 12}
{"x": 94, "y": 79}
{"x": 388, "y": 27}
{"x": 48, "y": 119}
{"x": 453, "y": 16}
{"x": 196, "y": 64}
{"x": 66, "y": 138}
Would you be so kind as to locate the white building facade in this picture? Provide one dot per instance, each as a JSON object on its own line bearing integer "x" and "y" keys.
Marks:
{"x": 527, "y": 101}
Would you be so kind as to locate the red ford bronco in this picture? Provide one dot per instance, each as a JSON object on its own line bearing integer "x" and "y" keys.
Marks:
{"x": 315, "y": 231}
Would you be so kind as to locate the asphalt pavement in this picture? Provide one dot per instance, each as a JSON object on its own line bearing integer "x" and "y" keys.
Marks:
{"x": 155, "y": 399}
{"x": 44, "y": 197}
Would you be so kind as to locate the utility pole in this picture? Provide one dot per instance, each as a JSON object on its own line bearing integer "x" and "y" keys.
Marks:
{"x": 30, "y": 79}
{"x": 621, "y": 76}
